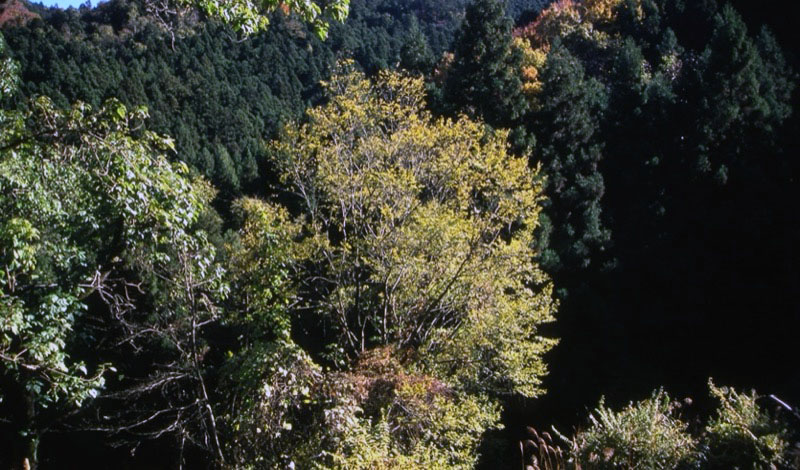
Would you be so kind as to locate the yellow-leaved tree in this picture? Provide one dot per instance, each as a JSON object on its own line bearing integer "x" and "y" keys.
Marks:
{"x": 419, "y": 236}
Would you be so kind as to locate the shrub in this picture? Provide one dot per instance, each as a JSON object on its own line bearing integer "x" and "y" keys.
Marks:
{"x": 645, "y": 435}
{"x": 390, "y": 419}
{"x": 742, "y": 435}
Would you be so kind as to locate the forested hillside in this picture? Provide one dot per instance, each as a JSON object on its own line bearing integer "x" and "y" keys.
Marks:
{"x": 251, "y": 236}
{"x": 218, "y": 96}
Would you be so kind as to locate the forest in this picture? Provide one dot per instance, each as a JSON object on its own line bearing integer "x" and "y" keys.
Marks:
{"x": 399, "y": 234}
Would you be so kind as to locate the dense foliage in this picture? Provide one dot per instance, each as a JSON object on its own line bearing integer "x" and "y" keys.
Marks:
{"x": 483, "y": 79}
{"x": 219, "y": 98}
{"x": 650, "y": 434}
{"x": 424, "y": 235}
{"x": 647, "y": 434}
{"x": 422, "y": 333}
{"x": 92, "y": 210}
{"x": 666, "y": 132}
{"x": 284, "y": 252}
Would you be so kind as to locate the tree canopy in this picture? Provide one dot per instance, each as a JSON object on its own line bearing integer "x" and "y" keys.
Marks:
{"x": 356, "y": 263}
{"x": 423, "y": 233}
{"x": 91, "y": 208}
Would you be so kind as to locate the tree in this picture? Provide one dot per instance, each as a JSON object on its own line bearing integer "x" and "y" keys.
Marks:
{"x": 210, "y": 92}
{"x": 744, "y": 99}
{"x": 420, "y": 235}
{"x": 88, "y": 200}
{"x": 249, "y": 17}
{"x": 687, "y": 142}
{"x": 267, "y": 378}
{"x": 415, "y": 54}
{"x": 165, "y": 388}
{"x": 484, "y": 80}
{"x": 567, "y": 126}
{"x": 556, "y": 21}
{"x": 414, "y": 248}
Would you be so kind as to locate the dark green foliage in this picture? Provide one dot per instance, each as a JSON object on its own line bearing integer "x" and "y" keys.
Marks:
{"x": 219, "y": 97}
{"x": 697, "y": 166}
{"x": 744, "y": 98}
{"x": 484, "y": 79}
{"x": 525, "y": 10}
{"x": 415, "y": 53}
{"x": 569, "y": 147}
{"x": 213, "y": 93}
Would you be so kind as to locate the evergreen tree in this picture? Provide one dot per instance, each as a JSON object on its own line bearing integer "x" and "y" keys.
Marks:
{"x": 415, "y": 54}
{"x": 484, "y": 79}
{"x": 744, "y": 97}
{"x": 210, "y": 91}
{"x": 570, "y": 148}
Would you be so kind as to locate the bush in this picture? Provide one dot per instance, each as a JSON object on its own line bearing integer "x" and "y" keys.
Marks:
{"x": 392, "y": 419}
{"x": 648, "y": 435}
{"x": 645, "y": 435}
{"x": 742, "y": 435}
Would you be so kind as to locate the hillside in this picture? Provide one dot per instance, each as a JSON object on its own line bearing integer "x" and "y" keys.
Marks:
{"x": 414, "y": 244}
{"x": 217, "y": 96}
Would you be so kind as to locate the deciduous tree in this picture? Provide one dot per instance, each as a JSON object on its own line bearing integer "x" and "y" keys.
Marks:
{"x": 88, "y": 200}
{"x": 420, "y": 235}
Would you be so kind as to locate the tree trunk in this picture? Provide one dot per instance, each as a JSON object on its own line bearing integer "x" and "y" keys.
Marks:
{"x": 29, "y": 443}
{"x": 27, "y": 457}
{"x": 30, "y": 459}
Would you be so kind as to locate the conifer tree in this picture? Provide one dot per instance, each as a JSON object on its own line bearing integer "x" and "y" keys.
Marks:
{"x": 567, "y": 126}
{"x": 484, "y": 79}
{"x": 416, "y": 54}
{"x": 744, "y": 97}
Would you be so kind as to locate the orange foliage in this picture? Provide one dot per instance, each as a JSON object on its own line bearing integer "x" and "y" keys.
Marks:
{"x": 566, "y": 16}
{"x": 532, "y": 61}
{"x": 377, "y": 377}
{"x": 558, "y": 19}
{"x": 443, "y": 68}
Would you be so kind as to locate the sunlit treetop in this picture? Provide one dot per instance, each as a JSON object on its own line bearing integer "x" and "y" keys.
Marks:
{"x": 249, "y": 17}
{"x": 424, "y": 234}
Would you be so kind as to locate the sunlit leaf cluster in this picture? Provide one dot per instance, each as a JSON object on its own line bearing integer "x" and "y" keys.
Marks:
{"x": 421, "y": 233}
